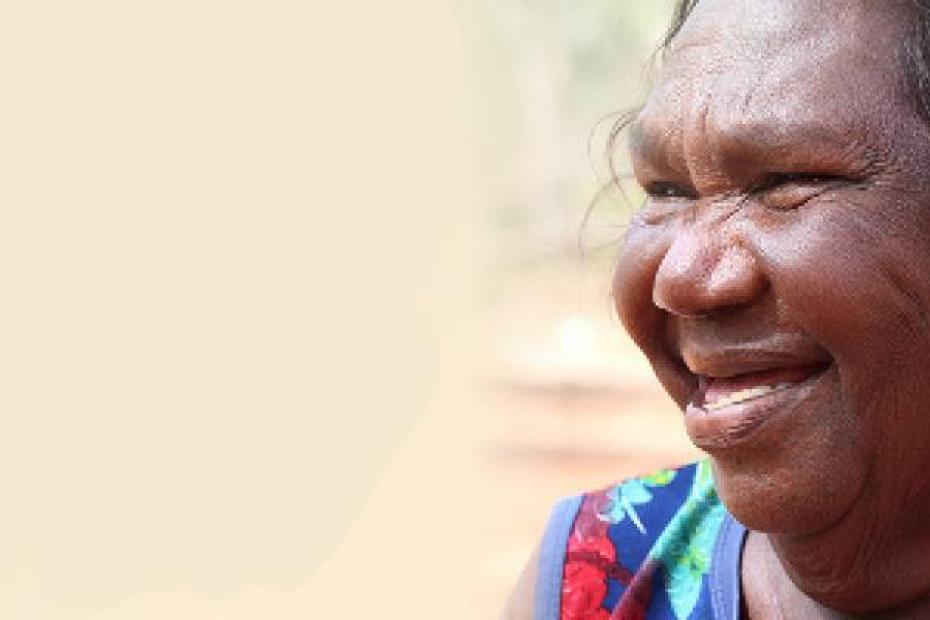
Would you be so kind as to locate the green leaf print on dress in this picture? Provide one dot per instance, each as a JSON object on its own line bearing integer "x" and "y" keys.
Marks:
{"x": 686, "y": 545}
{"x": 625, "y": 497}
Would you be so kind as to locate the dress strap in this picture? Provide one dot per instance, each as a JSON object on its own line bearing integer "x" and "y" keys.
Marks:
{"x": 725, "y": 569}
{"x": 548, "y": 596}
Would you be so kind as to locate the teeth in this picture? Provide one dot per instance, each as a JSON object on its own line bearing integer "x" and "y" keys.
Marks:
{"x": 743, "y": 395}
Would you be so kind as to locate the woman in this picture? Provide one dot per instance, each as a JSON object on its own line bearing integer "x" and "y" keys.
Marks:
{"x": 778, "y": 279}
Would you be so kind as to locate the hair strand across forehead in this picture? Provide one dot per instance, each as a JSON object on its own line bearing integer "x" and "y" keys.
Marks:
{"x": 683, "y": 9}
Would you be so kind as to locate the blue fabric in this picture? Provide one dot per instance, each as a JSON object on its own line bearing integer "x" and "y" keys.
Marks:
{"x": 548, "y": 591}
{"x": 633, "y": 547}
{"x": 725, "y": 586}
{"x": 659, "y": 547}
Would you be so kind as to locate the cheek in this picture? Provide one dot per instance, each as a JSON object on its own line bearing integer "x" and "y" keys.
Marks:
{"x": 859, "y": 289}
{"x": 858, "y": 297}
{"x": 634, "y": 278}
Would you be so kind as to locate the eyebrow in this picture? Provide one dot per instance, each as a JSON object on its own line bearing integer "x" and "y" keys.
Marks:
{"x": 762, "y": 140}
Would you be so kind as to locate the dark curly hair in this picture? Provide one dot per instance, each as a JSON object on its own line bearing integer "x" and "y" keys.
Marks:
{"x": 682, "y": 10}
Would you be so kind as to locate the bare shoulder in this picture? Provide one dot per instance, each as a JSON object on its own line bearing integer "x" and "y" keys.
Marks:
{"x": 520, "y": 604}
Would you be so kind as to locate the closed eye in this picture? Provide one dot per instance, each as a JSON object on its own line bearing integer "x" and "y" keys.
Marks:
{"x": 668, "y": 190}
{"x": 806, "y": 179}
{"x": 790, "y": 191}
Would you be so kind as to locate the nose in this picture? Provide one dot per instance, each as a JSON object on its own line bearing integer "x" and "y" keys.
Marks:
{"x": 701, "y": 274}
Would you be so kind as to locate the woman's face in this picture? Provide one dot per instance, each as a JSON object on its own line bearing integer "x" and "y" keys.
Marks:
{"x": 778, "y": 277}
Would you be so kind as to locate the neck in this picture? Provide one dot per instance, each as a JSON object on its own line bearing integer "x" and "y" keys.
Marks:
{"x": 878, "y": 570}
{"x": 767, "y": 590}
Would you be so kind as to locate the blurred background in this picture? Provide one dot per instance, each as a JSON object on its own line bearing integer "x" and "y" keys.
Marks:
{"x": 567, "y": 402}
{"x": 300, "y": 319}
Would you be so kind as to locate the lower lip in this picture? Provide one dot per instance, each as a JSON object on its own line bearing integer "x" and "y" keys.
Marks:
{"x": 735, "y": 424}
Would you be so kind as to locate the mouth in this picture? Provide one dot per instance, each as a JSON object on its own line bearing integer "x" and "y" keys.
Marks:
{"x": 717, "y": 393}
{"x": 726, "y": 410}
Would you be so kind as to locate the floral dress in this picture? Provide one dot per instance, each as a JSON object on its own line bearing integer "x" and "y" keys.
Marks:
{"x": 657, "y": 547}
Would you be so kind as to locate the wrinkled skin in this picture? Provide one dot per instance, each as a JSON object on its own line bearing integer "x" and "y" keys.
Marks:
{"x": 789, "y": 223}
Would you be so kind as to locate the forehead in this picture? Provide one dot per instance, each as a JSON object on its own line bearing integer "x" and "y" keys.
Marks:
{"x": 772, "y": 69}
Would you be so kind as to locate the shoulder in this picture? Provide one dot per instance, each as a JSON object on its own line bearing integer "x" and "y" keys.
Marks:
{"x": 520, "y": 605}
{"x": 643, "y": 542}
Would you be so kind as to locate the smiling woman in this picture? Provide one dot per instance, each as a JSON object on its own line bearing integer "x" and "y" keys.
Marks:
{"x": 776, "y": 278}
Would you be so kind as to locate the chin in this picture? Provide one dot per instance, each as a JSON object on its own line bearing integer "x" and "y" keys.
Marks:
{"x": 793, "y": 461}
{"x": 794, "y": 496}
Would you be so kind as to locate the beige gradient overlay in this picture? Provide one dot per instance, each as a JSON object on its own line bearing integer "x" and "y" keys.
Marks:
{"x": 234, "y": 244}
{"x": 294, "y": 323}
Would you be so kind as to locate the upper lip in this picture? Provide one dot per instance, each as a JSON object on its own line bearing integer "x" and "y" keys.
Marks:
{"x": 729, "y": 360}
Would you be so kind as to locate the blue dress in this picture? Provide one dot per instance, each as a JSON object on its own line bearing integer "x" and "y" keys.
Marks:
{"x": 657, "y": 547}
